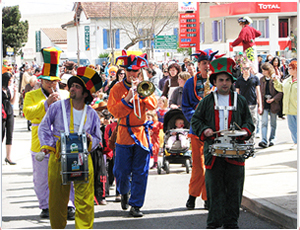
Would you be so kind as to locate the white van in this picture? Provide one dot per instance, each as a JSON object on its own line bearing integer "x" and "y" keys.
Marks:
{"x": 72, "y": 56}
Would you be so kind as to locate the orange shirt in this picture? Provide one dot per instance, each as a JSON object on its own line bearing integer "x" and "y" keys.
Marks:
{"x": 120, "y": 109}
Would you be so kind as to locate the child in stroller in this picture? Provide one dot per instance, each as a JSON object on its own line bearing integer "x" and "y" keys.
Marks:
{"x": 176, "y": 149}
{"x": 178, "y": 136}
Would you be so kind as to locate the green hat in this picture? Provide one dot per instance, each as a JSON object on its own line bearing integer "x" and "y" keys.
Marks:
{"x": 221, "y": 65}
{"x": 50, "y": 69}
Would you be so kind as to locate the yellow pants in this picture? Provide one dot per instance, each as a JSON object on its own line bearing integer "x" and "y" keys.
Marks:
{"x": 59, "y": 197}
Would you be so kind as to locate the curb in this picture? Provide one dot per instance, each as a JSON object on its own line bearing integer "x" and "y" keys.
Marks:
{"x": 270, "y": 211}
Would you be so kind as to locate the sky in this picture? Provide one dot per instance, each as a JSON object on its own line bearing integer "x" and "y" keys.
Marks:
{"x": 40, "y": 6}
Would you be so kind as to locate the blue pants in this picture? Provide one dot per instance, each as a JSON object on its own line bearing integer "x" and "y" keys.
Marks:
{"x": 264, "y": 126}
{"x": 292, "y": 123}
{"x": 132, "y": 162}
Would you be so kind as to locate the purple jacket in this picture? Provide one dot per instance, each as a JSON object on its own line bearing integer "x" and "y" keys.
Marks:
{"x": 52, "y": 124}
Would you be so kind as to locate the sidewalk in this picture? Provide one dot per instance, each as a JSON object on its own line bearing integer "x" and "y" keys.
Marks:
{"x": 270, "y": 188}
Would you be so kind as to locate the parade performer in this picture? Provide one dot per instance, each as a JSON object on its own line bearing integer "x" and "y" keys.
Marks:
{"x": 133, "y": 143}
{"x": 36, "y": 104}
{"x": 82, "y": 86}
{"x": 247, "y": 36}
{"x": 224, "y": 177}
{"x": 194, "y": 90}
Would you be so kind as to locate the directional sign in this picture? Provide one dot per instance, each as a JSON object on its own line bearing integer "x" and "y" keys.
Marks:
{"x": 165, "y": 42}
{"x": 87, "y": 37}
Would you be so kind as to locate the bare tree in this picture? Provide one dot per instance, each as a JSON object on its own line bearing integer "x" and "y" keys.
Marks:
{"x": 141, "y": 21}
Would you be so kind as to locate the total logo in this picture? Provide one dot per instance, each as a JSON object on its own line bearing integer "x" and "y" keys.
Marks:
{"x": 272, "y": 6}
{"x": 187, "y": 6}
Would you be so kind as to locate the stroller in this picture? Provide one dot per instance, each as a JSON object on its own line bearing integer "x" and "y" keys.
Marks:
{"x": 177, "y": 153}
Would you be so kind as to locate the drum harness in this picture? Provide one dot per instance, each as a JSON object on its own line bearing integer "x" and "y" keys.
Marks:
{"x": 225, "y": 109}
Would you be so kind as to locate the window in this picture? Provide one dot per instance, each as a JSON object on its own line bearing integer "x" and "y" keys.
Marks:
{"x": 263, "y": 26}
{"x": 283, "y": 28}
{"x": 202, "y": 32}
{"x": 217, "y": 30}
{"x": 146, "y": 43}
{"x": 107, "y": 38}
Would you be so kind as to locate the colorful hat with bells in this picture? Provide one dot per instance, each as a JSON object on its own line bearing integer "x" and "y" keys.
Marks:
{"x": 207, "y": 54}
{"x": 133, "y": 62}
{"x": 50, "y": 69}
{"x": 87, "y": 78}
{"x": 221, "y": 65}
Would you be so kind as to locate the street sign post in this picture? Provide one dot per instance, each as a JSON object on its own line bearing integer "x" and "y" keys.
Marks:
{"x": 165, "y": 42}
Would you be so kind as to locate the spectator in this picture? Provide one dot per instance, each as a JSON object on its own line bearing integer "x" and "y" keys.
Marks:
{"x": 260, "y": 62}
{"x": 154, "y": 135}
{"x": 176, "y": 98}
{"x": 158, "y": 71}
{"x": 289, "y": 89}
{"x": 172, "y": 83}
{"x": 8, "y": 124}
{"x": 270, "y": 98}
{"x": 191, "y": 69}
{"x": 184, "y": 66}
{"x": 152, "y": 76}
{"x": 248, "y": 85}
{"x": 163, "y": 80}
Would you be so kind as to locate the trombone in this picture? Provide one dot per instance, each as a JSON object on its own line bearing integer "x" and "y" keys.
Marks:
{"x": 144, "y": 89}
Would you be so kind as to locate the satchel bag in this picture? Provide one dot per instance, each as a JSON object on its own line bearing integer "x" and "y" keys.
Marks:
{"x": 113, "y": 137}
{"x": 4, "y": 115}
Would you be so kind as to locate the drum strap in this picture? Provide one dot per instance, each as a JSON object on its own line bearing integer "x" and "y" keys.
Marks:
{"x": 225, "y": 108}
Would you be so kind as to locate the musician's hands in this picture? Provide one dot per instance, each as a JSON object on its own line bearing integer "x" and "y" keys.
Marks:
{"x": 134, "y": 83}
{"x": 53, "y": 97}
{"x": 270, "y": 100}
{"x": 208, "y": 132}
{"x": 88, "y": 137}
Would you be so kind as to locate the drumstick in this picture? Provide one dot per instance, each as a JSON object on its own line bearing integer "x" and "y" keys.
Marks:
{"x": 237, "y": 125}
{"x": 220, "y": 131}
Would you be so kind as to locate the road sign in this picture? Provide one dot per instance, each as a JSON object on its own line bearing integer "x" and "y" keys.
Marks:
{"x": 165, "y": 42}
{"x": 9, "y": 51}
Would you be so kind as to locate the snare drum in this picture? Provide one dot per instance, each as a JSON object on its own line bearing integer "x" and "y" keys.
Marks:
{"x": 229, "y": 151}
{"x": 74, "y": 158}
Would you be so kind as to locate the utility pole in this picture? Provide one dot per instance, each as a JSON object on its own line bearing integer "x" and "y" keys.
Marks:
{"x": 77, "y": 24}
{"x": 111, "y": 37}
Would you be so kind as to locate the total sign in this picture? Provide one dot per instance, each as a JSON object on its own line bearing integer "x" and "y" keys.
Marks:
{"x": 187, "y": 6}
{"x": 263, "y": 7}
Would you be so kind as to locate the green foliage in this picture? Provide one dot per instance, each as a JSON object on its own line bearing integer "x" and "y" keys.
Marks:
{"x": 103, "y": 55}
{"x": 185, "y": 51}
{"x": 14, "y": 31}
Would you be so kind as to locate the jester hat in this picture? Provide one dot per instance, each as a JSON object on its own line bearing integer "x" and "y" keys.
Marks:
{"x": 207, "y": 54}
{"x": 133, "y": 62}
{"x": 221, "y": 65}
{"x": 50, "y": 69}
{"x": 89, "y": 79}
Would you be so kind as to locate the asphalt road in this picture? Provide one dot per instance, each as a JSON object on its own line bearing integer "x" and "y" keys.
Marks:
{"x": 164, "y": 207}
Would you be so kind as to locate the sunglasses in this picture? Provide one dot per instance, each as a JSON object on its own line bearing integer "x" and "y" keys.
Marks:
{"x": 246, "y": 68}
{"x": 121, "y": 73}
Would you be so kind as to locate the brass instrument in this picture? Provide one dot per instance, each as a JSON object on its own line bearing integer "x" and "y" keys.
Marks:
{"x": 207, "y": 84}
{"x": 145, "y": 89}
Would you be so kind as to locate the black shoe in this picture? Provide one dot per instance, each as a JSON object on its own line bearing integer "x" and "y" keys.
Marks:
{"x": 230, "y": 226}
{"x": 205, "y": 205}
{"x": 124, "y": 201}
{"x": 9, "y": 162}
{"x": 190, "y": 204}
{"x": 135, "y": 212}
{"x": 262, "y": 144}
{"x": 271, "y": 144}
{"x": 71, "y": 213}
{"x": 45, "y": 213}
